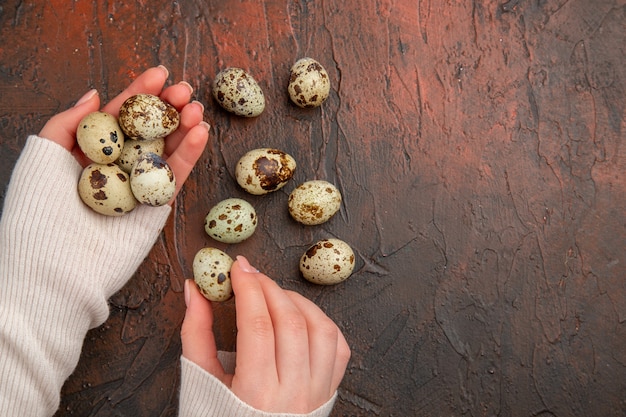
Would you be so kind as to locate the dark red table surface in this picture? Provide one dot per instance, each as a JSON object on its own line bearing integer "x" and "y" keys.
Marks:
{"x": 479, "y": 146}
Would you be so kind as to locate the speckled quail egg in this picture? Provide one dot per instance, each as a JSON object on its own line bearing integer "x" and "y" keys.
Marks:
{"x": 133, "y": 149}
{"x": 327, "y": 262}
{"x": 238, "y": 92}
{"x": 314, "y": 202}
{"x": 106, "y": 189}
{"x": 147, "y": 117}
{"x": 231, "y": 221}
{"x": 211, "y": 271}
{"x": 309, "y": 84}
{"x": 99, "y": 137}
{"x": 152, "y": 180}
{"x": 261, "y": 171}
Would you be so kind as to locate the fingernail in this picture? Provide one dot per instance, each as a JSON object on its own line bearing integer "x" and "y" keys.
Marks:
{"x": 205, "y": 124}
{"x": 88, "y": 96}
{"x": 245, "y": 265}
{"x": 187, "y": 290}
{"x": 199, "y": 104}
{"x": 165, "y": 70}
{"x": 186, "y": 84}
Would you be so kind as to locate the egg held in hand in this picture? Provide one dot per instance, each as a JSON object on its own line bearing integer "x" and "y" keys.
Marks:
{"x": 147, "y": 117}
{"x": 152, "y": 180}
{"x": 100, "y": 137}
{"x": 211, "y": 271}
{"x": 133, "y": 149}
{"x": 105, "y": 188}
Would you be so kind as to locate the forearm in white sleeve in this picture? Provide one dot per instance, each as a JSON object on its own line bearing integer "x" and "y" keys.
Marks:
{"x": 59, "y": 263}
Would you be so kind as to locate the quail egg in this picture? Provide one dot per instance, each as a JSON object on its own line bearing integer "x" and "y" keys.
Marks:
{"x": 314, "y": 202}
{"x": 309, "y": 84}
{"x": 261, "y": 171}
{"x": 238, "y": 92}
{"x": 135, "y": 148}
{"x": 211, "y": 271}
{"x": 327, "y": 262}
{"x": 106, "y": 189}
{"x": 231, "y": 221}
{"x": 99, "y": 137}
{"x": 152, "y": 180}
{"x": 147, "y": 117}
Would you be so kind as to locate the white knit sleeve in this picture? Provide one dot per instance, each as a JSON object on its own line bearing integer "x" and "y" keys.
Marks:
{"x": 203, "y": 395}
{"x": 59, "y": 263}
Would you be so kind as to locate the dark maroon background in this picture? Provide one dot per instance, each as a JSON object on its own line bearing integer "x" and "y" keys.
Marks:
{"x": 479, "y": 146}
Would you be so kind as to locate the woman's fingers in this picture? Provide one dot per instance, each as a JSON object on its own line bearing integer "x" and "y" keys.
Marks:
{"x": 178, "y": 95}
{"x": 256, "y": 357}
{"x": 190, "y": 116}
{"x": 197, "y": 331}
{"x": 341, "y": 361}
{"x": 187, "y": 154}
{"x": 151, "y": 81}
{"x": 329, "y": 351}
{"x": 290, "y": 356}
{"x": 291, "y": 335}
{"x": 61, "y": 128}
{"x": 184, "y": 146}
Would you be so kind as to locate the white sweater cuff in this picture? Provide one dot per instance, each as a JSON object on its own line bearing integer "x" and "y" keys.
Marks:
{"x": 202, "y": 394}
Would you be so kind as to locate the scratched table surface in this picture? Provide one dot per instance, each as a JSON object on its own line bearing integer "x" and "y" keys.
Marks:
{"x": 479, "y": 146}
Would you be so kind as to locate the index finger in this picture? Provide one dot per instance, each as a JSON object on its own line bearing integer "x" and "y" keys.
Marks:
{"x": 255, "y": 328}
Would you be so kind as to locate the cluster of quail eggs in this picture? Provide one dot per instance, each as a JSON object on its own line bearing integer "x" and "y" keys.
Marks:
{"x": 127, "y": 167}
{"x": 265, "y": 170}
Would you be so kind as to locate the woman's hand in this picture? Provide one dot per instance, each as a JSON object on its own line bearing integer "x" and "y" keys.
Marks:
{"x": 290, "y": 356}
{"x": 182, "y": 148}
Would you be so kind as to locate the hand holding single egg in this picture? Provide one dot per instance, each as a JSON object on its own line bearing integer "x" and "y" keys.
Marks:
{"x": 298, "y": 359}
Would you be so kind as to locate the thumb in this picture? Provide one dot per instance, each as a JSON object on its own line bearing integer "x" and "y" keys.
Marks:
{"x": 61, "y": 128}
{"x": 197, "y": 332}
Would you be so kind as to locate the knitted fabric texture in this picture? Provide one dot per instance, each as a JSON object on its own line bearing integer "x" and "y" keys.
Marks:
{"x": 59, "y": 263}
